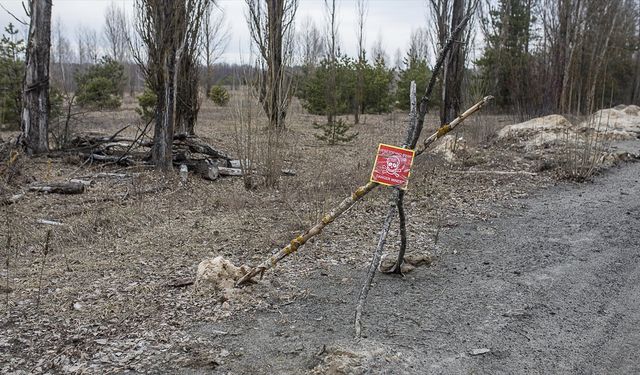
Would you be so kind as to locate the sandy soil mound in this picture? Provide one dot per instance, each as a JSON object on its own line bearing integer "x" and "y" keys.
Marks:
{"x": 219, "y": 274}
{"x": 339, "y": 360}
{"x": 621, "y": 122}
{"x": 539, "y": 132}
{"x": 449, "y": 145}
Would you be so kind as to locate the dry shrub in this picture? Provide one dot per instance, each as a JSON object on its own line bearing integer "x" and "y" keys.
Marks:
{"x": 260, "y": 148}
{"x": 583, "y": 153}
{"x": 11, "y": 164}
{"x": 481, "y": 129}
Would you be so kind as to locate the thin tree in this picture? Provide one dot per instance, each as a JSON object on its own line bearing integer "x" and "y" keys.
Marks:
{"x": 215, "y": 37}
{"x": 311, "y": 45}
{"x": 453, "y": 70}
{"x": 332, "y": 59}
{"x": 361, "y": 9}
{"x": 35, "y": 97}
{"x": 87, "y": 45}
{"x": 271, "y": 27}
{"x": 164, "y": 28}
{"x": 115, "y": 32}
{"x": 187, "y": 99}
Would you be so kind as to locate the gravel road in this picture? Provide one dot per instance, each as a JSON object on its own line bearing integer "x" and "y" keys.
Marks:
{"x": 553, "y": 287}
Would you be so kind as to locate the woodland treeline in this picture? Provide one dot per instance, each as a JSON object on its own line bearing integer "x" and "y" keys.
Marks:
{"x": 535, "y": 56}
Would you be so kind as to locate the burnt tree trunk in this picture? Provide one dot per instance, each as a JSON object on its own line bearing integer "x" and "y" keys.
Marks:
{"x": 454, "y": 70}
{"x": 35, "y": 95}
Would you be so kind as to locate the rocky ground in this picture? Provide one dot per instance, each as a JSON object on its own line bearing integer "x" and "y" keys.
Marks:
{"x": 524, "y": 269}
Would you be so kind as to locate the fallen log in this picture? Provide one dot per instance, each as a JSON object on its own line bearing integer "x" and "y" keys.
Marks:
{"x": 230, "y": 171}
{"x": 49, "y": 222}
{"x": 83, "y": 182}
{"x": 204, "y": 168}
{"x": 5, "y": 201}
{"x": 120, "y": 160}
{"x": 194, "y": 145}
{"x": 58, "y": 187}
{"x": 506, "y": 173}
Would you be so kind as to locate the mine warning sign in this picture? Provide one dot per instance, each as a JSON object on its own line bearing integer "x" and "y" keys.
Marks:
{"x": 392, "y": 166}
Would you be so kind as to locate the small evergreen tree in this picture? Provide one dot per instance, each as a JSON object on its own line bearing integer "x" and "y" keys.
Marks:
{"x": 315, "y": 92}
{"x": 219, "y": 95}
{"x": 377, "y": 96}
{"x": 101, "y": 85}
{"x": 147, "y": 104}
{"x": 377, "y": 85}
{"x": 335, "y": 132}
{"x": 416, "y": 69}
{"x": 504, "y": 66}
{"x": 12, "y": 70}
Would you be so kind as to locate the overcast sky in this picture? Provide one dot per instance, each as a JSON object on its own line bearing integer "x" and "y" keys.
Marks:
{"x": 389, "y": 20}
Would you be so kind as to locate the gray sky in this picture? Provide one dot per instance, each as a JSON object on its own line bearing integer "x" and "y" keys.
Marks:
{"x": 389, "y": 20}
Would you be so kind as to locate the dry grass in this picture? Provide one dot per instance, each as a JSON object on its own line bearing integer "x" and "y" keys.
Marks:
{"x": 124, "y": 240}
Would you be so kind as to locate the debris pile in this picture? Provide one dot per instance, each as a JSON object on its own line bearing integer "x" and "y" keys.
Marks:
{"x": 220, "y": 274}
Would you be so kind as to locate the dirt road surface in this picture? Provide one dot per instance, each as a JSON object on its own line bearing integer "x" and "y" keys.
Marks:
{"x": 553, "y": 287}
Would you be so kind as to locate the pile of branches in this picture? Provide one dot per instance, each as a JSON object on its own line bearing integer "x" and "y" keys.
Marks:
{"x": 189, "y": 150}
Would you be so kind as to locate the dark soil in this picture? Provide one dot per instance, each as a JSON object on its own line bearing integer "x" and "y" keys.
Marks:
{"x": 553, "y": 287}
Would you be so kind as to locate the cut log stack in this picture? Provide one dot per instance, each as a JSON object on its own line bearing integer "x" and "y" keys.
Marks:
{"x": 74, "y": 187}
{"x": 197, "y": 155}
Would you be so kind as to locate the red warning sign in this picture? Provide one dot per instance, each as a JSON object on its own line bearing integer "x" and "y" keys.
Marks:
{"x": 392, "y": 166}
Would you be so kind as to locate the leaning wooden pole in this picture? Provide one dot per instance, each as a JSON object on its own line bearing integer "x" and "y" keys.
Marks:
{"x": 347, "y": 203}
{"x": 314, "y": 231}
{"x": 443, "y": 130}
{"x": 416, "y": 124}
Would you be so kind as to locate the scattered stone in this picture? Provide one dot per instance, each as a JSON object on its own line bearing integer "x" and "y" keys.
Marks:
{"x": 480, "y": 351}
{"x": 411, "y": 261}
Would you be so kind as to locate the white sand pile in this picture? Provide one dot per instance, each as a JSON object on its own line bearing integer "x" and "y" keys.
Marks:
{"x": 551, "y": 123}
{"x": 219, "y": 274}
{"x": 448, "y": 145}
{"x": 347, "y": 361}
{"x": 621, "y": 122}
{"x": 540, "y": 132}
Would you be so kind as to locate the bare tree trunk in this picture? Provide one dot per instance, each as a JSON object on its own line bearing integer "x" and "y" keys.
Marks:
{"x": 332, "y": 100}
{"x": 598, "y": 60}
{"x": 358, "y": 107}
{"x": 635, "y": 94}
{"x": 454, "y": 70}
{"x": 35, "y": 96}
{"x": 170, "y": 32}
{"x": 163, "y": 133}
{"x": 269, "y": 33}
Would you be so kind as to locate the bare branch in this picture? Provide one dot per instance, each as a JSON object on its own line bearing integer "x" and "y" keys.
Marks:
{"x": 14, "y": 16}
